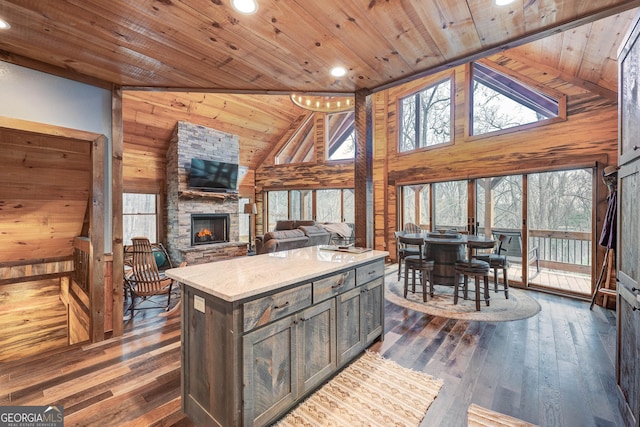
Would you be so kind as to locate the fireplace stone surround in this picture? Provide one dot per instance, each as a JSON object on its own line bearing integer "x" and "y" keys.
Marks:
{"x": 195, "y": 141}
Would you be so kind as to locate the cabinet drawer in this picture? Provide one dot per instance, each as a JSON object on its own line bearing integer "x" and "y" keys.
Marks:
{"x": 333, "y": 285}
{"x": 368, "y": 272}
{"x": 267, "y": 309}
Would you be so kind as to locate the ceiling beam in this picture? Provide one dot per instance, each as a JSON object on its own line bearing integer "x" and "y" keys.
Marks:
{"x": 569, "y": 78}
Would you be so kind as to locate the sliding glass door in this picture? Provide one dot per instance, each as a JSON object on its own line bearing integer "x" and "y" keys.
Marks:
{"x": 560, "y": 222}
{"x": 546, "y": 217}
{"x": 450, "y": 205}
{"x": 499, "y": 211}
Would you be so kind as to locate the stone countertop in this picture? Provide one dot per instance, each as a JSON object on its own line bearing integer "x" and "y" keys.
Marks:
{"x": 239, "y": 278}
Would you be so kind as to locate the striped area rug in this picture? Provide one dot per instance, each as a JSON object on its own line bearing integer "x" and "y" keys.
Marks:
{"x": 372, "y": 391}
{"x": 478, "y": 416}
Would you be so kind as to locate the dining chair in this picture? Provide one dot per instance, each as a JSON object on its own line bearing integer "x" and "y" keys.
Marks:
{"x": 402, "y": 251}
{"x": 417, "y": 264}
{"x": 476, "y": 269}
{"x": 144, "y": 280}
{"x": 411, "y": 228}
{"x": 498, "y": 261}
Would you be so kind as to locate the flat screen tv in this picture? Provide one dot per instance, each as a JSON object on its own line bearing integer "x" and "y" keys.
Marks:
{"x": 211, "y": 175}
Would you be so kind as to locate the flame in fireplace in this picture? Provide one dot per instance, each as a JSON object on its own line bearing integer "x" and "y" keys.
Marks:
{"x": 204, "y": 232}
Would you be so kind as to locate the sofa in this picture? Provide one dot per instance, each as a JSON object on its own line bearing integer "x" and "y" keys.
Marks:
{"x": 292, "y": 234}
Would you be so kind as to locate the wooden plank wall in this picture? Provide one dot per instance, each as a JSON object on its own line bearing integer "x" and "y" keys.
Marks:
{"x": 589, "y": 135}
{"x": 30, "y": 328}
{"x": 44, "y": 192}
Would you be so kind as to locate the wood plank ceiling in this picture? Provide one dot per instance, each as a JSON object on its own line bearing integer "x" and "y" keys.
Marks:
{"x": 211, "y": 65}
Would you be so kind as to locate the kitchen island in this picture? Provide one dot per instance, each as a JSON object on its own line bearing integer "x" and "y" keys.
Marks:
{"x": 261, "y": 333}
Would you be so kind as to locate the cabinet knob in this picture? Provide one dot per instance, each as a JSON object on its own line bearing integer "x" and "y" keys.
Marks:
{"x": 635, "y": 148}
{"x": 634, "y": 289}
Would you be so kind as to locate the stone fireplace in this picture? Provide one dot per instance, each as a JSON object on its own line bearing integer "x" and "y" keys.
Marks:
{"x": 209, "y": 228}
{"x": 217, "y": 212}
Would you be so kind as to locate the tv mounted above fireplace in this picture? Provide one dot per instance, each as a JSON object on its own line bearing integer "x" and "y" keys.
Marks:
{"x": 211, "y": 175}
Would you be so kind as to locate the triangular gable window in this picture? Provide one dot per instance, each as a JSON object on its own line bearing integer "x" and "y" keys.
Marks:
{"x": 300, "y": 147}
{"x": 501, "y": 102}
{"x": 341, "y": 136}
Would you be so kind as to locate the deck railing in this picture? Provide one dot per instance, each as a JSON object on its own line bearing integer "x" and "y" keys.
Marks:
{"x": 563, "y": 250}
{"x": 557, "y": 250}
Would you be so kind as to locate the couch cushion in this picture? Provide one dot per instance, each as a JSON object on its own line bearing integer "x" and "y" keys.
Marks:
{"x": 285, "y": 224}
{"x": 283, "y": 234}
{"x": 304, "y": 222}
{"x": 317, "y": 235}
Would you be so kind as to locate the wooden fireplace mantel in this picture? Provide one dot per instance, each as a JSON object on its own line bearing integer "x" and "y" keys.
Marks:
{"x": 191, "y": 194}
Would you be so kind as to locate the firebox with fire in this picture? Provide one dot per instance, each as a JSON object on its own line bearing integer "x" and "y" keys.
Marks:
{"x": 204, "y": 235}
{"x": 209, "y": 228}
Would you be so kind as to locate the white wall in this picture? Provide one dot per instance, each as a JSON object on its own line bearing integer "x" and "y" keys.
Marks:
{"x": 39, "y": 97}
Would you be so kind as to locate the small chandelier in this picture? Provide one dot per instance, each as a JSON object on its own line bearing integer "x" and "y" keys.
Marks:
{"x": 324, "y": 104}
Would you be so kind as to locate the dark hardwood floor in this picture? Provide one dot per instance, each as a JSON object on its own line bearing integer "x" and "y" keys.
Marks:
{"x": 555, "y": 369}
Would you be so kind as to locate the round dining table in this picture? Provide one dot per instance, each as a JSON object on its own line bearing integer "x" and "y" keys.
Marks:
{"x": 447, "y": 248}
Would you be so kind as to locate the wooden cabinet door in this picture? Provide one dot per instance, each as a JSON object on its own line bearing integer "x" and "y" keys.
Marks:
{"x": 629, "y": 109}
{"x": 372, "y": 310}
{"x": 349, "y": 325}
{"x": 628, "y": 259}
{"x": 629, "y": 354}
{"x": 270, "y": 379}
{"x": 316, "y": 330}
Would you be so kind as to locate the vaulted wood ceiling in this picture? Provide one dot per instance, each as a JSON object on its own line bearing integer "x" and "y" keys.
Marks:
{"x": 188, "y": 49}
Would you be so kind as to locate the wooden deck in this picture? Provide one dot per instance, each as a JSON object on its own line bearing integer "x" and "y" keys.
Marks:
{"x": 561, "y": 281}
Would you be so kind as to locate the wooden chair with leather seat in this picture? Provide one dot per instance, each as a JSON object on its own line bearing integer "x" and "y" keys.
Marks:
{"x": 417, "y": 264}
{"x": 411, "y": 228}
{"x": 498, "y": 261}
{"x": 476, "y": 269}
{"x": 402, "y": 251}
{"x": 144, "y": 279}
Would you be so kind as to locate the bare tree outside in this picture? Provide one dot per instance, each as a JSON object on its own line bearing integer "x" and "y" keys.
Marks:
{"x": 563, "y": 200}
{"x": 139, "y": 216}
{"x": 328, "y": 206}
{"x": 450, "y": 199}
{"x": 278, "y": 202}
{"x": 492, "y": 111}
{"x": 425, "y": 117}
{"x": 504, "y": 202}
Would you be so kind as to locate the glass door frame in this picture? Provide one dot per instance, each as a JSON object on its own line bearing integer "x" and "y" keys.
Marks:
{"x": 473, "y": 223}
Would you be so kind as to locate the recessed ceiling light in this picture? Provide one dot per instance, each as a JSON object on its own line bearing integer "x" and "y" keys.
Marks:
{"x": 245, "y": 6}
{"x": 503, "y": 2}
{"x": 4, "y": 25}
{"x": 338, "y": 71}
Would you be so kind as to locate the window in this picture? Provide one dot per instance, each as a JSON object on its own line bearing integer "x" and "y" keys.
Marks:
{"x": 500, "y": 102}
{"x": 139, "y": 217}
{"x": 300, "y": 147}
{"x": 243, "y": 222}
{"x": 332, "y": 205}
{"x": 349, "y": 205}
{"x": 450, "y": 205}
{"x": 300, "y": 204}
{"x": 278, "y": 207}
{"x": 341, "y": 142}
{"x": 425, "y": 117}
{"x": 328, "y": 208}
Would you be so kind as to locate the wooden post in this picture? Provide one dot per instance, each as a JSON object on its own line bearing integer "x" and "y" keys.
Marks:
{"x": 363, "y": 170}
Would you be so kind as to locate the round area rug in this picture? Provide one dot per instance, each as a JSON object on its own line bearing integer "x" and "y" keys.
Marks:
{"x": 518, "y": 306}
